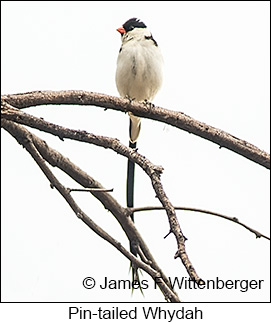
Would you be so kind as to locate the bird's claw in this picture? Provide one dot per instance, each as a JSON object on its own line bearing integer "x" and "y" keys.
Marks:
{"x": 149, "y": 104}
{"x": 130, "y": 99}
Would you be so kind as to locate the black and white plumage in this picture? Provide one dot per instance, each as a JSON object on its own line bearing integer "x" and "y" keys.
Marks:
{"x": 138, "y": 77}
{"x": 139, "y": 67}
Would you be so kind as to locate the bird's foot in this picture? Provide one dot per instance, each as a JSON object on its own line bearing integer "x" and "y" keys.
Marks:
{"x": 129, "y": 98}
{"x": 149, "y": 104}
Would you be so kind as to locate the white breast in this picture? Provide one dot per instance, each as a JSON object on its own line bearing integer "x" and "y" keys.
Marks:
{"x": 139, "y": 68}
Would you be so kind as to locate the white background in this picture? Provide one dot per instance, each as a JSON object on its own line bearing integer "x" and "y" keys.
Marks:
{"x": 216, "y": 70}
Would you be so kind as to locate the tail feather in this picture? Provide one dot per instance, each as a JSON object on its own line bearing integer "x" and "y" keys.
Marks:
{"x": 130, "y": 180}
{"x": 130, "y": 203}
{"x": 134, "y": 128}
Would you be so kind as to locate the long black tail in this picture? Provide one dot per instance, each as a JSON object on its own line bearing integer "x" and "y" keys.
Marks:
{"x": 130, "y": 180}
{"x": 130, "y": 202}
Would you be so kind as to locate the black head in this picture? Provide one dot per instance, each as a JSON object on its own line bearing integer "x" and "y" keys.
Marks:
{"x": 133, "y": 23}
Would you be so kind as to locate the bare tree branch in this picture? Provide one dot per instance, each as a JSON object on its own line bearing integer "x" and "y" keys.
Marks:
{"x": 174, "y": 118}
{"x": 233, "y": 219}
{"x": 152, "y": 171}
{"x": 37, "y": 148}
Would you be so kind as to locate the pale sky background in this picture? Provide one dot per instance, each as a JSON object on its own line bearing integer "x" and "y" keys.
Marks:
{"x": 217, "y": 70}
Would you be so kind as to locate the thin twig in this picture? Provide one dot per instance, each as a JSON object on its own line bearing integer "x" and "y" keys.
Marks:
{"x": 233, "y": 219}
{"x": 89, "y": 189}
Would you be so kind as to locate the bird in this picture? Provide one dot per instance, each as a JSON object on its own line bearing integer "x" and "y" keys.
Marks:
{"x": 138, "y": 78}
{"x": 139, "y": 67}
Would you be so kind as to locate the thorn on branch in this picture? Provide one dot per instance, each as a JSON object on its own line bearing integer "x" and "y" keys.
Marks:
{"x": 177, "y": 254}
{"x": 158, "y": 170}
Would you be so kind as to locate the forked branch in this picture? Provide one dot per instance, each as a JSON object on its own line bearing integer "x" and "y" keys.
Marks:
{"x": 41, "y": 152}
{"x": 153, "y": 171}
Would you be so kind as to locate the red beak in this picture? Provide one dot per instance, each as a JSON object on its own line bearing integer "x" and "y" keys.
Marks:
{"x": 121, "y": 30}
